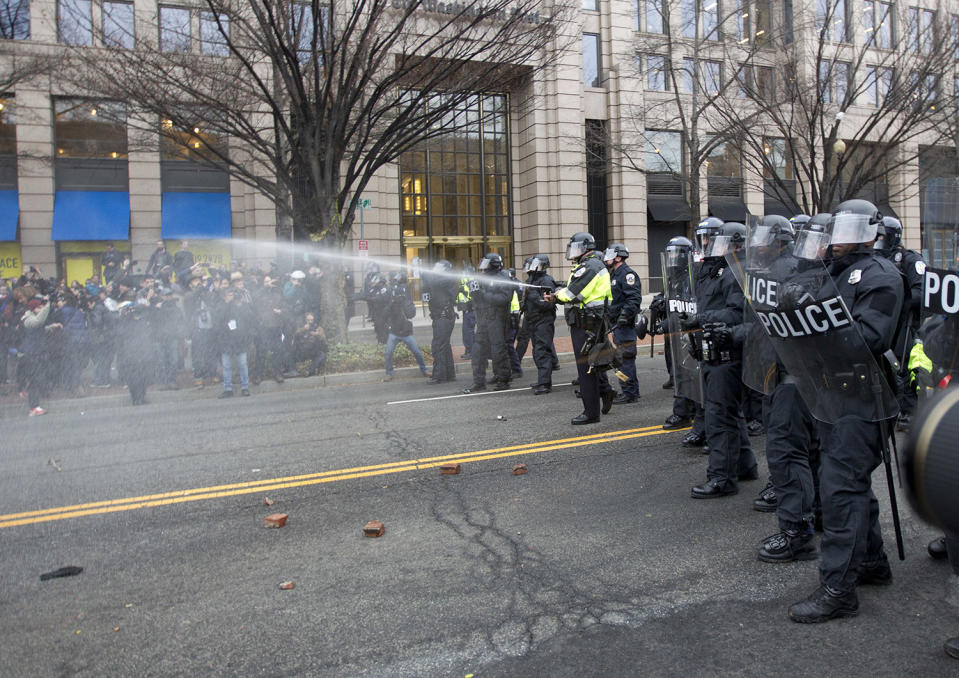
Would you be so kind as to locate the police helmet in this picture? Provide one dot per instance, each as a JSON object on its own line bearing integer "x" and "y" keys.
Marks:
{"x": 854, "y": 222}
{"x": 678, "y": 250}
{"x": 731, "y": 236}
{"x": 399, "y": 277}
{"x": 538, "y": 262}
{"x": 799, "y": 220}
{"x": 616, "y": 249}
{"x": 526, "y": 262}
{"x": 579, "y": 244}
{"x": 442, "y": 266}
{"x": 706, "y": 229}
{"x": 812, "y": 239}
{"x": 771, "y": 229}
{"x": 889, "y": 235}
{"x": 491, "y": 263}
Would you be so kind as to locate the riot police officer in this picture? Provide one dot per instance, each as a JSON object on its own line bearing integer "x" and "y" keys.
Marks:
{"x": 719, "y": 311}
{"x": 913, "y": 268}
{"x": 676, "y": 260}
{"x": 587, "y": 294}
{"x": 491, "y": 293}
{"x": 440, "y": 290}
{"x": 852, "y": 549}
{"x": 540, "y": 320}
{"x": 627, "y": 300}
{"x": 792, "y": 451}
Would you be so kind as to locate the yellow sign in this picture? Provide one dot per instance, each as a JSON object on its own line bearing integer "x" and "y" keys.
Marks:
{"x": 11, "y": 264}
{"x": 216, "y": 253}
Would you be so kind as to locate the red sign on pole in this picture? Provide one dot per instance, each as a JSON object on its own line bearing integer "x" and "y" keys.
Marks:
{"x": 364, "y": 247}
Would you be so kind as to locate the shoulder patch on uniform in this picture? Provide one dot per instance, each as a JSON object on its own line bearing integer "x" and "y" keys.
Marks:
{"x": 855, "y": 276}
{"x": 921, "y": 267}
{"x": 898, "y": 257}
{"x": 719, "y": 273}
{"x": 630, "y": 278}
{"x": 613, "y": 282}
{"x": 579, "y": 272}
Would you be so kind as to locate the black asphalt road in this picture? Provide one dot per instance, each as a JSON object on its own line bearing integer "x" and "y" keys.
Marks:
{"x": 595, "y": 563}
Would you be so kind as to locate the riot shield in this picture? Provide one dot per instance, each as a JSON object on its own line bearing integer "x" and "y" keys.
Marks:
{"x": 818, "y": 342}
{"x": 760, "y": 369}
{"x": 684, "y": 345}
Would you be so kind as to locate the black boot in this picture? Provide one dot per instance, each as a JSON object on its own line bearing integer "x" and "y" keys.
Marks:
{"x": 874, "y": 572}
{"x": 674, "y": 421}
{"x": 824, "y": 605}
{"x": 694, "y": 439}
{"x": 766, "y": 501}
{"x": 937, "y": 548}
{"x": 787, "y": 546}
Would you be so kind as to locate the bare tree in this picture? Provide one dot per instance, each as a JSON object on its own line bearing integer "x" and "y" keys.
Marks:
{"x": 692, "y": 55}
{"x": 20, "y": 60}
{"x": 851, "y": 105}
{"x": 315, "y": 97}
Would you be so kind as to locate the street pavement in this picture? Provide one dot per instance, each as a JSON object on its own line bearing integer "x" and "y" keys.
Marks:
{"x": 594, "y": 563}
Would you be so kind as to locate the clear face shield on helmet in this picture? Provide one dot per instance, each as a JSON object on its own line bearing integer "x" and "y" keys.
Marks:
{"x": 575, "y": 250}
{"x": 535, "y": 265}
{"x": 718, "y": 246}
{"x": 810, "y": 244}
{"x": 609, "y": 256}
{"x": 677, "y": 257}
{"x": 762, "y": 236}
{"x": 849, "y": 229}
{"x": 484, "y": 264}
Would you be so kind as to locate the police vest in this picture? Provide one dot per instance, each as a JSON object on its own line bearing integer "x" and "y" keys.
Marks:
{"x": 588, "y": 285}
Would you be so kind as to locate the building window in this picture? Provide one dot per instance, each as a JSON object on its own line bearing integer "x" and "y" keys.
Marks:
{"x": 655, "y": 22}
{"x": 763, "y": 23}
{"x": 922, "y": 24}
{"x": 118, "y": 25}
{"x": 193, "y": 144}
{"x": 90, "y": 129}
{"x": 75, "y": 22}
{"x": 778, "y": 161}
{"x": 831, "y": 20}
{"x": 877, "y": 21}
{"x": 664, "y": 152}
{"x": 8, "y": 128}
{"x": 455, "y": 188}
{"x": 591, "y": 60}
{"x": 712, "y": 76}
{"x": 740, "y": 21}
{"x": 656, "y": 72}
{"x": 723, "y": 161}
{"x": 302, "y": 30}
{"x": 174, "y": 29}
{"x": 924, "y": 90}
{"x": 710, "y": 19}
{"x": 954, "y": 34}
{"x": 15, "y": 20}
{"x": 833, "y": 81}
{"x": 877, "y": 84}
{"x": 591, "y": 5}
{"x": 597, "y": 171}
{"x": 788, "y": 22}
{"x": 214, "y": 33}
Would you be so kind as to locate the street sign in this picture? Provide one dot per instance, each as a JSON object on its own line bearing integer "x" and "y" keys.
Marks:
{"x": 364, "y": 248}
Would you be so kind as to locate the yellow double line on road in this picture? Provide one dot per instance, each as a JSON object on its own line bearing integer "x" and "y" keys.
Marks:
{"x": 271, "y": 484}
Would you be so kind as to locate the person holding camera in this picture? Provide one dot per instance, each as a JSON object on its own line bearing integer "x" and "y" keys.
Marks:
{"x": 400, "y": 310}
{"x": 33, "y": 347}
{"x": 233, "y": 330}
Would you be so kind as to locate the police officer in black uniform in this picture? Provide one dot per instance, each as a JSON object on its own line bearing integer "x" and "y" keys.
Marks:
{"x": 539, "y": 317}
{"x": 440, "y": 290}
{"x": 852, "y": 550}
{"x": 678, "y": 252}
{"x": 719, "y": 311}
{"x": 913, "y": 268}
{"x": 491, "y": 293}
{"x": 626, "y": 304}
{"x": 791, "y": 438}
{"x": 587, "y": 294}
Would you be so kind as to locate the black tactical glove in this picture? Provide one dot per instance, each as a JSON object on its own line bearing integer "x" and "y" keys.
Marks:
{"x": 790, "y": 296}
{"x": 720, "y": 334}
{"x": 658, "y": 304}
{"x": 689, "y": 321}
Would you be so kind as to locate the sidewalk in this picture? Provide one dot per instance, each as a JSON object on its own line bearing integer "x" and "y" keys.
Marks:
{"x": 12, "y": 405}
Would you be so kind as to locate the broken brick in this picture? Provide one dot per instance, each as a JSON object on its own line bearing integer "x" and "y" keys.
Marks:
{"x": 287, "y": 585}
{"x": 275, "y": 520}
{"x": 449, "y": 469}
{"x": 374, "y": 528}
{"x": 519, "y": 469}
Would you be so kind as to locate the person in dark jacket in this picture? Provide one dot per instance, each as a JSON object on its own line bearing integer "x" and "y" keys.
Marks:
{"x": 540, "y": 317}
{"x": 491, "y": 293}
{"x": 400, "y": 325}
{"x": 33, "y": 346}
{"x": 183, "y": 262}
{"x": 440, "y": 289}
{"x": 168, "y": 330}
{"x": 625, "y": 306}
{"x": 77, "y": 343}
{"x": 136, "y": 353}
{"x": 159, "y": 260}
{"x": 233, "y": 330}
{"x": 272, "y": 315}
{"x": 101, "y": 324}
{"x": 198, "y": 311}
{"x": 309, "y": 344}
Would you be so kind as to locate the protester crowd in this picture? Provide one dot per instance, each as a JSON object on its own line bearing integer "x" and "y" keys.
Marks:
{"x": 151, "y": 325}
